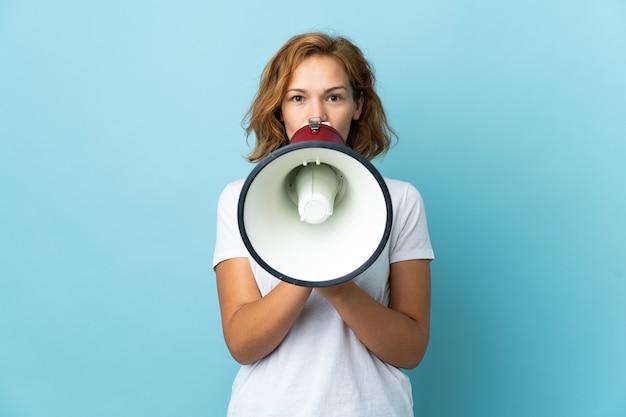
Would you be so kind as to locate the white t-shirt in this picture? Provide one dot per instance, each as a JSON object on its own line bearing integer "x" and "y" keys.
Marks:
{"x": 321, "y": 369}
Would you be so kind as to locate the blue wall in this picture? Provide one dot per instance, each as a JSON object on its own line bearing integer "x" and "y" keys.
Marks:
{"x": 120, "y": 124}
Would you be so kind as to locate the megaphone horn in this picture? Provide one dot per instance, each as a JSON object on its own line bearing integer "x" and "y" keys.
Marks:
{"x": 314, "y": 212}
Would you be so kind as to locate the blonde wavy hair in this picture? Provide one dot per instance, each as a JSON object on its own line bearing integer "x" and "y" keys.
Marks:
{"x": 369, "y": 136}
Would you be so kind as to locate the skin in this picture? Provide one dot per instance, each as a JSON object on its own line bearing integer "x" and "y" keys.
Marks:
{"x": 254, "y": 325}
{"x": 320, "y": 87}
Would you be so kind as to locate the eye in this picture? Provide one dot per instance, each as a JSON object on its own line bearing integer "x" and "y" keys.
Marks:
{"x": 296, "y": 98}
{"x": 334, "y": 98}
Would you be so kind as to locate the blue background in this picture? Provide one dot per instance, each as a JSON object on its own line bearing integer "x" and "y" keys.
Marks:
{"x": 120, "y": 122}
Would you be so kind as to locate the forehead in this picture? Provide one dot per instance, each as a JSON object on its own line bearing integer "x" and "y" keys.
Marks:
{"x": 318, "y": 68}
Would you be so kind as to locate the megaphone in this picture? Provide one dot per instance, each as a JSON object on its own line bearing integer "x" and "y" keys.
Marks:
{"x": 314, "y": 212}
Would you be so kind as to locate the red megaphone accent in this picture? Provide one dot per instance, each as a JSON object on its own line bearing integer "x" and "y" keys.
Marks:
{"x": 317, "y": 131}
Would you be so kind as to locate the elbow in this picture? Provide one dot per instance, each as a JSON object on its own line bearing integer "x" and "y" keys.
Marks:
{"x": 413, "y": 361}
{"x": 240, "y": 354}
{"x": 244, "y": 353}
{"x": 242, "y": 360}
{"x": 416, "y": 355}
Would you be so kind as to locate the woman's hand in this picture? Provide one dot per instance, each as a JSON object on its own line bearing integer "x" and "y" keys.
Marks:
{"x": 397, "y": 334}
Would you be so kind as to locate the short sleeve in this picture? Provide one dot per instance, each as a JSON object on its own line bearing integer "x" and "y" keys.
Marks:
{"x": 228, "y": 242}
{"x": 409, "y": 238}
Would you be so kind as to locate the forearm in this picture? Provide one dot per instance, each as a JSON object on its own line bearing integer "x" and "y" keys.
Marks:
{"x": 256, "y": 328}
{"x": 391, "y": 335}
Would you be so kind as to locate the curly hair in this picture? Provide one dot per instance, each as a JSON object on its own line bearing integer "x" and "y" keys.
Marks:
{"x": 370, "y": 135}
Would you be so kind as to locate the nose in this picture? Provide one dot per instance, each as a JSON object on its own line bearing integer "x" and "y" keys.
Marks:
{"x": 318, "y": 110}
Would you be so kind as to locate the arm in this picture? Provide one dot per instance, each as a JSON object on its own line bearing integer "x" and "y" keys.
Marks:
{"x": 397, "y": 334}
{"x": 254, "y": 325}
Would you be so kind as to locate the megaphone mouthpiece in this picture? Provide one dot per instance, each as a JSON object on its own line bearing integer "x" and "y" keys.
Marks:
{"x": 314, "y": 187}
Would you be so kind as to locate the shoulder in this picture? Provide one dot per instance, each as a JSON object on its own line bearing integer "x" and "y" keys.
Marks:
{"x": 229, "y": 199}
{"x": 235, "y": 186}
{"x": 403, "y": 192}
{"x": 232, "y": 190}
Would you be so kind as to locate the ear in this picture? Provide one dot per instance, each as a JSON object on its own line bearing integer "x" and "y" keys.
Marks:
{"x": 358, "y": 108}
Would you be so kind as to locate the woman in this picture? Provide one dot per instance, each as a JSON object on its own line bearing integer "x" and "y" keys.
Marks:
{"x": 338, "y": 350}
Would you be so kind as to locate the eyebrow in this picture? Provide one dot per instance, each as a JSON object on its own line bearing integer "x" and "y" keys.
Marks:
{"x": 328, "y": 90}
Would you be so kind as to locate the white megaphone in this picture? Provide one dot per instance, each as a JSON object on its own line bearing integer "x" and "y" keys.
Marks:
{"x": 314, "y": 212}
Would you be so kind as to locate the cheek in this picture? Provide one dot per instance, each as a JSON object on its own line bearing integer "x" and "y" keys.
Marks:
{"x": 287, "y": 117}
{"x": 346, "y": 123}
{"x": 284, "y": 119}
{"x": 289, "y": 129}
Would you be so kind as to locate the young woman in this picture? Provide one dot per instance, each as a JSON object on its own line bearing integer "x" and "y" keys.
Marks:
{"x": 338, "y": 350}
